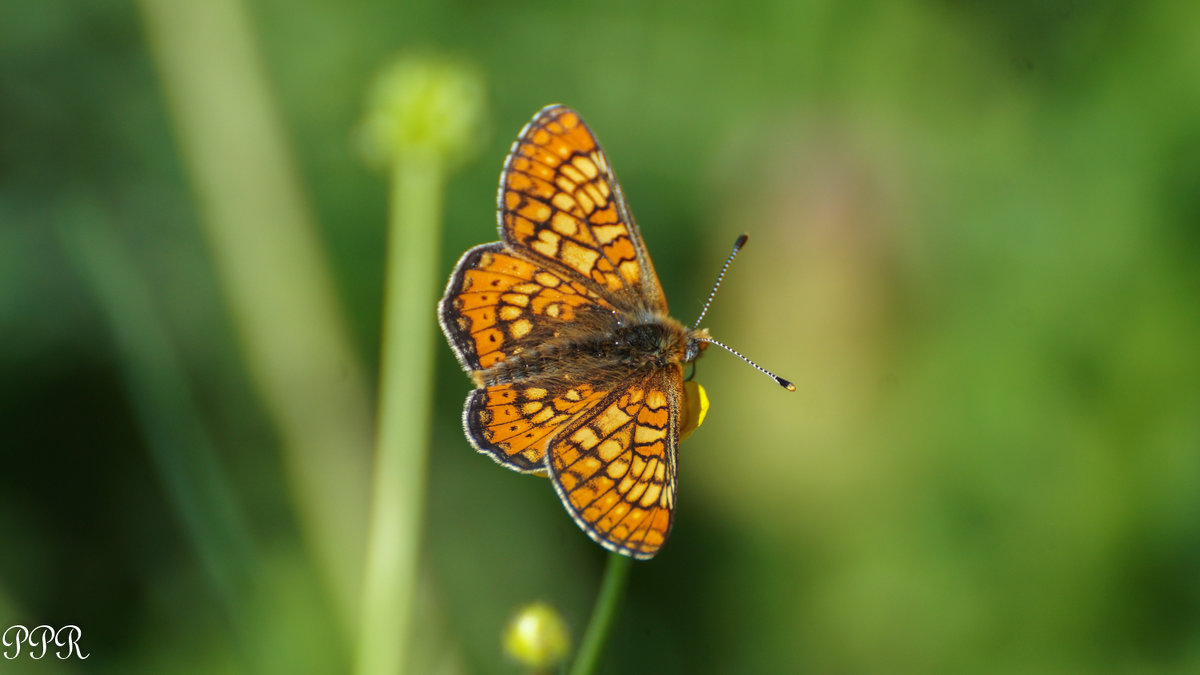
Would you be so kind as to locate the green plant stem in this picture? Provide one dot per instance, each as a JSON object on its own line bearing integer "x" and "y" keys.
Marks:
{"x": 406, "y": 378}
{"x": 608, "y": 601}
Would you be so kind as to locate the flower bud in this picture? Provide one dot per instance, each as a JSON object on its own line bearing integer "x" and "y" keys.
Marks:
{"x": 435, "y": 107}
{"x": 537, "y": 637}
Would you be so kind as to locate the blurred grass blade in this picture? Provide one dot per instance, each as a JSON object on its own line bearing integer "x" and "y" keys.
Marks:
{"x": 272, "y": 272}
{"x": 181, "y": 450}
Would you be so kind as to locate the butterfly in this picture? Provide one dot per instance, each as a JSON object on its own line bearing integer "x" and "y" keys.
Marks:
{"x": 563, "y": 328}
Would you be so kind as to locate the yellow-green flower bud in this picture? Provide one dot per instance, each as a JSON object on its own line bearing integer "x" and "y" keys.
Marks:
{"x": 422, "y": 105}
{"x": 537, "y": 637}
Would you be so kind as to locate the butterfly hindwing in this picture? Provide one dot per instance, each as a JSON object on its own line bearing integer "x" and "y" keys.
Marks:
{"x": 513, "y": 423}
{"x": 614, "y": 467}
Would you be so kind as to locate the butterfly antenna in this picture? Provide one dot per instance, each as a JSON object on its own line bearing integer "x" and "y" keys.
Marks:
{"x": 782, "y": 382}
{"x": 737, "y": 246}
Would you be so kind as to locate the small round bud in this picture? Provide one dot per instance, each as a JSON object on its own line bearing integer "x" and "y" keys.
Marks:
{"x": 537, "y": 637}
{"x": 431, "y": 106}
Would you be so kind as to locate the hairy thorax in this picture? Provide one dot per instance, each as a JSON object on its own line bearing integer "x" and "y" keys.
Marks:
{"x": 596, "y": 348}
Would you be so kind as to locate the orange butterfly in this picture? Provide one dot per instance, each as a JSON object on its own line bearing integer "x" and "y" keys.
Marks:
{"x": 563, "y": 327}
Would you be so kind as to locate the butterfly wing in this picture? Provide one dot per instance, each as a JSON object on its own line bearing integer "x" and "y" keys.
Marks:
{"x": 499, "y": 304}
{"x": 614, "y": 466}
{"x": 560, "y": 201}
{"x": 513, "y": 423}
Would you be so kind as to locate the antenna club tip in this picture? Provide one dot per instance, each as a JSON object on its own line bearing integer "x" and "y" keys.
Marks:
{"x": 741, "y": 240}
{"x": 786, "y": 385}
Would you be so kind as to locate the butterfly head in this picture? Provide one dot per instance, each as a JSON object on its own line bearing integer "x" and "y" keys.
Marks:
{"x": 697, "y": 342}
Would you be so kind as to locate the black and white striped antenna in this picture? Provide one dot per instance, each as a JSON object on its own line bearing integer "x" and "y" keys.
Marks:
{"x": 737, "y": 246}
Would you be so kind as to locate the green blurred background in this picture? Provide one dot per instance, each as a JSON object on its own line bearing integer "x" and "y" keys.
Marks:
{"x": 974, "y": 233}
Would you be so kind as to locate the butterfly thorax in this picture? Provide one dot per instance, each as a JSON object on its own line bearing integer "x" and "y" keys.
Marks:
{"x": 607, "y": 345}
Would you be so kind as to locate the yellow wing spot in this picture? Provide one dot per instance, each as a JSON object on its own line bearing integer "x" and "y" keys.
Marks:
{"x": 588, "y": 465}
{"x": 611, "y": 419}
{"x": 639, "y": 465}
{"x": 510, "y": 312}
{"x": 546, "y": 279}
{"x": 565, "y": 184}
{"x": 543, "y": 416}
{"x": 651, "y": 495}
{"x": 573, "y": 174}
{"x": 586, "y": 438}
{"x": 595, "y": 193}
{"x": 606, "y": 234}
{"x": 535, "y": 393}
{"x": 563, "y": 201}
{"x": 530, "y": 408}
{"x": 518, "y": 299}
{"x": 651, "y": 465}
{"x": 586, "y": 166}
{"x": 552, "y": 311}
{"x": 572, "y": 395}
{"x": 617, "y": 468}
{"x": 645, "y": 434}
{"x": 585, "y": 202}
{"x": 520, "y": 329}
{"x": 636, "y": 493}
{"x": 610, "y": 450}
{"x": 656, "y": 399}
{"x": 565, "y": 224}
{"x": 547, "y": 243}
{"x": 578, "y": 257}
{"x": 630, "y": 270}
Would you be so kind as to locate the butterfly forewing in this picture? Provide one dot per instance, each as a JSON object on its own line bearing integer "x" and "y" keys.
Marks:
{"x": 500, "y": 303}
{"x": 560, "y": 200}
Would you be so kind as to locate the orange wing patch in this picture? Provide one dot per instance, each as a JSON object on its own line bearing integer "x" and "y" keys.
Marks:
{"x": 615, "y": 467}
{"x": 498, "y": 304}
{"x": 560, "y": 200}
{"x": 515, "y": 422}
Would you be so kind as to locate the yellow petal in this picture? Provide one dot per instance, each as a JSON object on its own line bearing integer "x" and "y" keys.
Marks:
{"x": 695, "y": 407}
